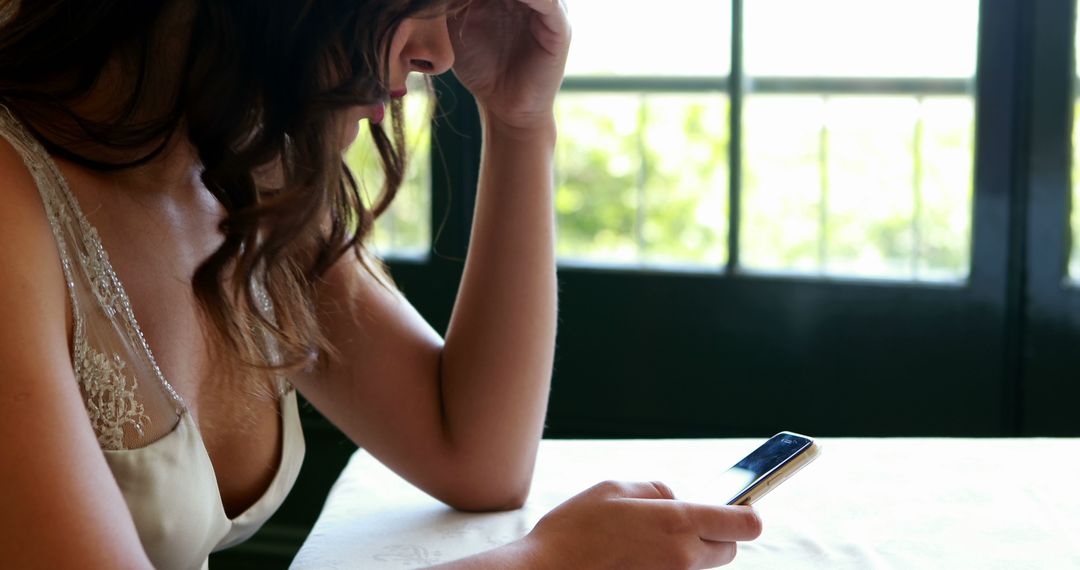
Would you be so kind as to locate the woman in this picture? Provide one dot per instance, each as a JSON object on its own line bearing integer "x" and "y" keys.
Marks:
{"x": 182, "y": 246}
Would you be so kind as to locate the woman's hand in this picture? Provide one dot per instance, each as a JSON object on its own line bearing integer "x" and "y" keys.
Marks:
{"x": 511, "y": 54}
{"x": 639, "y": 525}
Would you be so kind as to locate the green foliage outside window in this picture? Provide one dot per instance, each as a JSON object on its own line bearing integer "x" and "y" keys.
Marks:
{"x": 642, "y": 179}
{"x": 405, "y": 229}
{"x": 858, "y": 186}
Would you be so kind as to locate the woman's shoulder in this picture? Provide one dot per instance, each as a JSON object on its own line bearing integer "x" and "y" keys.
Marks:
{"x": 23, "y": 210}
{"x": 11, "y": 163}
{"x": 49, "y": 451}
{"x": 28, "y": 252}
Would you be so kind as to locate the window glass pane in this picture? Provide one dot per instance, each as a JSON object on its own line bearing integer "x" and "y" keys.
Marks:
{"x": 861, "y": 38}
{"x": 944, "y": 198}
{"x": 858, "y": 186}
{"x": 847, "y": 174}
{"x": 405, "y": 229}
{"x": 675, "y": 38}
{"x": 1074, "y": 257}
{"x": 642, "y": 179}
{"x": 782, "y": 178}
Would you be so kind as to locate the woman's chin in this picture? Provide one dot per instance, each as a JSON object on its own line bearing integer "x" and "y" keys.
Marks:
{"x": 351, "y": 128}
{"x": 349, "y": 133}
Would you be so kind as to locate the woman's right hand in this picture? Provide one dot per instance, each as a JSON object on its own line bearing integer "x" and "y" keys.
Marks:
{"x": 639, "y": 525}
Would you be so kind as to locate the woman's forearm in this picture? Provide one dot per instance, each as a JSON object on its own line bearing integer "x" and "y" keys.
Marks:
{"x": 497, "y": 360}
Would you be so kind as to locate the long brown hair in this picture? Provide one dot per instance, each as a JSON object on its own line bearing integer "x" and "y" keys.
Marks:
{"x": 251, "y": 84}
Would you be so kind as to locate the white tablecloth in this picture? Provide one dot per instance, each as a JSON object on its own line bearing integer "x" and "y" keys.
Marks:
{"x": 864, "y": 504}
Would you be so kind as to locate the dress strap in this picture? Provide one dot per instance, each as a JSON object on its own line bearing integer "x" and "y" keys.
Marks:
{"x": 83, "y": 257}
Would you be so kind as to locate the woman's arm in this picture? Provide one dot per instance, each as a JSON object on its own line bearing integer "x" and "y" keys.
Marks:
{"x": 59, "y": 505}
{"x": 462, "y": 419}
{"x": 501, "y": 340}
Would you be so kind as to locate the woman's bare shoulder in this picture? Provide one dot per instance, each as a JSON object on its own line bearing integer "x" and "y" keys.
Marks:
{"x": 24, "y": 229}
{"x": 26, "y": 241}
{"x": 68, "y": 510}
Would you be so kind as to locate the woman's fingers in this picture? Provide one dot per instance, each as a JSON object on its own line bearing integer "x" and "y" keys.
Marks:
{"x": 642, "y": 523}
{"x": 552, "y": 14}
{"x": 707, "y": 522}
{"x": 716, "y": 554}
{"x": 722, "y": 523}
{"x": 634, "y": 490}
{"x": 718, "y": 523}
{"x": 545, "y": 7}
{"x": 707, "y": 533}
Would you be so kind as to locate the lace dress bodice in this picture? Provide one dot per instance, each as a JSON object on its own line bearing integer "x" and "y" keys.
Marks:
{"x": 144, "y": 427}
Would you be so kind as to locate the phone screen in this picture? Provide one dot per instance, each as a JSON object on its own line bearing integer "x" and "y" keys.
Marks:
{"x": 775, "y": 452}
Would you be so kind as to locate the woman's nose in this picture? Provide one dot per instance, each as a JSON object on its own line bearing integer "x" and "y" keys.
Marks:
{"x": 428, "y": 49}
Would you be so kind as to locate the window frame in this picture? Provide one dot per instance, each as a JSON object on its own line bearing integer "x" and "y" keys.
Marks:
{"x": 1047, "y": 360}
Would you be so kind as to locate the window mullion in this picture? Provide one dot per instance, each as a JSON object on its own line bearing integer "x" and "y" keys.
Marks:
{"x": 735, "y": 166}
{"x": 823, "y": 188}
{"x": 917, "y": 189}
{"x": 640, "y": 242}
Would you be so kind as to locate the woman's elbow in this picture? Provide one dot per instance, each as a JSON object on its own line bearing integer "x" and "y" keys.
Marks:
{"x": 490, "y": 496}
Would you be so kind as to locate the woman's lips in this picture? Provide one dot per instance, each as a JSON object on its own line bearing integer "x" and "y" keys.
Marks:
{"x": 379, "y": 114}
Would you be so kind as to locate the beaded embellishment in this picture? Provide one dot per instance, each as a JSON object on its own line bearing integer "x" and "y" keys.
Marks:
{"x": 108, "y": 388}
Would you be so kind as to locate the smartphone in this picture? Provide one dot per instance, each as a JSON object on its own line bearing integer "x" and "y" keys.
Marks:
{"x": 766, "y": 467}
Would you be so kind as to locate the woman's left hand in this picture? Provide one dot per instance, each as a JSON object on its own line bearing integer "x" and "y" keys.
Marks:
{"x": 511, "y": 54}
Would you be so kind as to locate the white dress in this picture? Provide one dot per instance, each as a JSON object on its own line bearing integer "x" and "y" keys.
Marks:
{"x": 146, "y": 432}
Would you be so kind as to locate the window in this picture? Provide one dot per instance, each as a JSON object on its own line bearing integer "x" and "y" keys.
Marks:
{"x": 849, "y": 162}
{"x": 642, "y": 161}
{"x": 403, "y": 231}
{"x": 1074, "y": 254}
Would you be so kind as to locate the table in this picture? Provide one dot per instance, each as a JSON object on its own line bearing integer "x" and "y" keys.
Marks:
{"x": 864, "y": 504}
